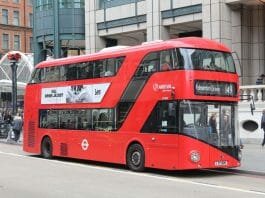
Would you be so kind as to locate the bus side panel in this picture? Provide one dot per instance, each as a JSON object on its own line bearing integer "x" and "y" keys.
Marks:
{"x": 30, "y": 128}
{"x": 219, "y": 159}
{"x": 210, "y": 157}
{"x": 161, "y": 150}
{"x": 187, "y": 146}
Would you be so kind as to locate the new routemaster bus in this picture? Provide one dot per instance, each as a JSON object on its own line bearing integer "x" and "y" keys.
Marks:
{"x": 165, "y": 104}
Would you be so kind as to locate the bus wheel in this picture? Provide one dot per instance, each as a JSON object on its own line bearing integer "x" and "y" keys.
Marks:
{"x": 135, "y": 158}
{"x": 46, "y": 148}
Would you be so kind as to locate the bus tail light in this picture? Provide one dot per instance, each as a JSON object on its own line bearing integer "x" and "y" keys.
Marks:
{"x": 195, "y": 156}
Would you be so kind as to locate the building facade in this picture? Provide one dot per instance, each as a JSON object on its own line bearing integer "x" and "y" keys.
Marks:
{"x": 16, "y": 22}
{"x": 237, "y": 23}
{"x": 59, "y": 28}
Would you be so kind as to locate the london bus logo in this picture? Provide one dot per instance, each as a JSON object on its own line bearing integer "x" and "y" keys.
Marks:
{"x": 162, "y": 87}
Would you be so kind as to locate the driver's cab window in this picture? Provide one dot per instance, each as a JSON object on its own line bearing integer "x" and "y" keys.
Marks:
{"x": 163, "y": 119}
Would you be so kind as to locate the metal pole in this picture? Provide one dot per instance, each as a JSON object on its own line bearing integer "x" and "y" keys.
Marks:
{"x": 14, "y": 87}
{"x": 57, "y": 41}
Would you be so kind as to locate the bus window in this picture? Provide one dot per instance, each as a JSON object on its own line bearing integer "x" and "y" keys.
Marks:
{"x": 98, "y": 69}
{"x": 85, "y": 70}
{"x": 118, "y": 63}
{"x": 109, "y": 69}
{"x": 52, "y": 119}
{"x": 52, "y": 74}
{"x": 103, "y": 119}
{"x": 148, "y": 65}
{"x": 43, "y": 119}
{"x": 199, "y": 59}
{"x": 163, "y": 119}
{"x": 71, "y": 72}
{"x": 36, "y": 76}
{"x": 166, "y": 62}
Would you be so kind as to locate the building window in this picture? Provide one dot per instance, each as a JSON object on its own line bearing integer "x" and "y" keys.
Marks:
{"x": 44, "y": 5}
{"x": 79, "y": 4}
{"x": 15, "y": 1}
{"x": 71, "y": 3}
{"x": 112, "y": 3}
{"x": 5, "y": 41}
{"x": 31, "y": 44}
{"x": 16, "y": 18}
{"x": 16, "y": 42}
{"x": 30, "y": 20}
{"x": 5, "y": 16}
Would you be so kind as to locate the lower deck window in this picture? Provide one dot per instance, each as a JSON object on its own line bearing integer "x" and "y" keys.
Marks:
{"x": 78, "y": 119}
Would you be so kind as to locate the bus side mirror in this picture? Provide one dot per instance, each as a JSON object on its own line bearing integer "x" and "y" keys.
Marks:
{"x": 252, "y": 108}
{"x": 237, "y": 63}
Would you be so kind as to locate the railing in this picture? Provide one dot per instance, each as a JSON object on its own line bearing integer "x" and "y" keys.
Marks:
{"x": 257, "y": 91}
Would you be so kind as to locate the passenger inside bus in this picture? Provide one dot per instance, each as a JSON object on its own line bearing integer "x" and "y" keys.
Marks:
{"x": 102, "y": 121}
{"x": 166, "y": 63}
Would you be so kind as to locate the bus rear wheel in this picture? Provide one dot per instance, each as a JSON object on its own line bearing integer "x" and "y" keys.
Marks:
{"x": 135, "y": 158}
{"x": 46, "y": 148}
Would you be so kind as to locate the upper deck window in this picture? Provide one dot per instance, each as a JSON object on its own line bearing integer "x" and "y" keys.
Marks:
{"x": 77, "y": 71}
{"x": 199, "y": 59}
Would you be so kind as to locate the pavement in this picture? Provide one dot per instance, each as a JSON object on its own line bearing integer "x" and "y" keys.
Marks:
{"x": 253, "y": 156}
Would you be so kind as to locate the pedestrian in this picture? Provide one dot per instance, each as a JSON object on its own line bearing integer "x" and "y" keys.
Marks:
{"x": 212, "y": 123}
{"x": 263, "y": 126}
{"x": 225, "y": 130}
{"x": 17, "y": 126}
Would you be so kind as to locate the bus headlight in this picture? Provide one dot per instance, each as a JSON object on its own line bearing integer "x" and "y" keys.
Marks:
{"x": 195, "y": 156}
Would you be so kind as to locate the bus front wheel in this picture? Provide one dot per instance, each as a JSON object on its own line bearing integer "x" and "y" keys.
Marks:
{"x": 46, "y": 148}
{"x": 135, "y": 158}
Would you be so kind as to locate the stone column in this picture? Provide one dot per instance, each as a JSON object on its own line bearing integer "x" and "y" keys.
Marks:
{"x": 93, "y": 41}
{"x": 155, "y": 28}
{"x": 217, "y": 21}
{"x": 237, "y": 40}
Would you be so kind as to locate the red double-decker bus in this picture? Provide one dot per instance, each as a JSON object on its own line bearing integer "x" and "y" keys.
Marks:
{"x": 166, "y": 104}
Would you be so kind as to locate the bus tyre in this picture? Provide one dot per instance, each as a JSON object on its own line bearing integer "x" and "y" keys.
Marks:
{"x": 46, "y": 148}
{"x": 135, "y": 158}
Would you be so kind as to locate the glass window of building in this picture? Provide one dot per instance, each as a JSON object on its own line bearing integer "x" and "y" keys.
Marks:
{"x": 16, "y": 42}
{"x": 71, "y": 3}
{"x": 30, "y": 20}
{"x": 15, "y": 1}
{"x": 16, "y": 18}
{"x": 5, "y": 44}
{"x": 31, "y": 44}
{"x": 4, "y": 16}
{"x": 79, "y": 4}
{"x": 112, "y": 3}
{"x": 65, "y": 3}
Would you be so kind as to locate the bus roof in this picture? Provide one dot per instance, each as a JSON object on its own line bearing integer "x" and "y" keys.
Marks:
{"x": 187, "y": 42}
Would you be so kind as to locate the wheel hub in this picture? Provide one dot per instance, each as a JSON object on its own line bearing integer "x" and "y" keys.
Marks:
{"x": 136, "y": 158}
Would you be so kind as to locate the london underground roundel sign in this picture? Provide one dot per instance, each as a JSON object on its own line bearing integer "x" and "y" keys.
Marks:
{"x": 84, "y": 144}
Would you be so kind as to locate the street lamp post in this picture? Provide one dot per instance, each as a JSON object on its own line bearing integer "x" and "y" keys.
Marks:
{"x": 14, "y": 58}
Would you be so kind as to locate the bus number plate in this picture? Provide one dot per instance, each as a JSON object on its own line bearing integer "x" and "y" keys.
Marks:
{"x": 220, "y": 163}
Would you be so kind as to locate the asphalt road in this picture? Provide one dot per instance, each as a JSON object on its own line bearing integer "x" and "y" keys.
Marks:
{"x": 25, "y": 176}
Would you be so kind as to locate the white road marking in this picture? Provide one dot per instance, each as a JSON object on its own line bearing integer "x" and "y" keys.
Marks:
{"x": 138, "y": 174}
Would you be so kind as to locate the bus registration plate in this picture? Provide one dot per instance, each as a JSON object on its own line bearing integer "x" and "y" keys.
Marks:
{"x": 220, "y": 163}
